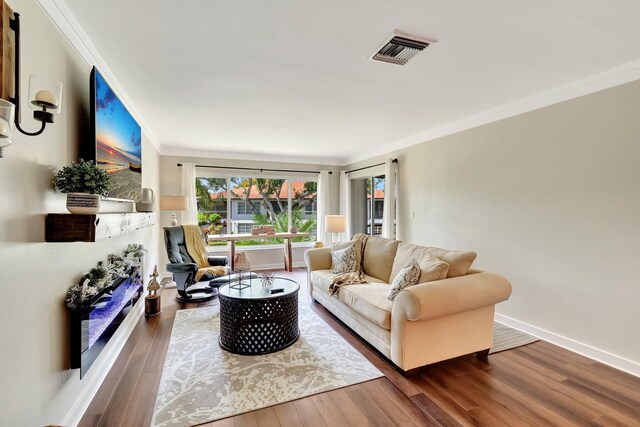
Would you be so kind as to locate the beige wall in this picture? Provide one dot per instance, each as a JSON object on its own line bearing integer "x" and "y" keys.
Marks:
{"x": 171, "y": 182}
{"x": 37, "y": 385}
{"x": 550, "y": 199}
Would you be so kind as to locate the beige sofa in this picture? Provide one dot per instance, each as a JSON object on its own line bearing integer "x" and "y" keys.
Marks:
{"x": 427, "y": 322}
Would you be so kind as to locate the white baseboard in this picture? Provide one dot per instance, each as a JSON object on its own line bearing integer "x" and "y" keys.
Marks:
{"x": 102, "y": 366}
{"x": 618, "y": 362}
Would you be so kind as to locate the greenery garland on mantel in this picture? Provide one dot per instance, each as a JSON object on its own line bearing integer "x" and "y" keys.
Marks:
{"x": 102, "y": 276}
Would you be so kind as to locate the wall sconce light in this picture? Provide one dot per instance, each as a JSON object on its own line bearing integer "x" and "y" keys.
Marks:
{"x": 45, "y": 95}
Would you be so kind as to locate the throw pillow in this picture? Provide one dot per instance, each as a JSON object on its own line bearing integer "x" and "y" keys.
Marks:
{"x": 378, "y": 256}
{"x": 459, "y": 261}
{"x": 408, "y": 276}
{"x": 357, "y": 245}
{"x": 343, "y": 260}
{"x": 432, "y": 268}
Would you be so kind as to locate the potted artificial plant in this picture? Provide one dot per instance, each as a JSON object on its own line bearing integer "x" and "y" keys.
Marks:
{"x": 83, "y": 183}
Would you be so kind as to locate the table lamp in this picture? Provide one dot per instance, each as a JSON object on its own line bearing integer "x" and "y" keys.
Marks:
{"x": 173, "y": 204}
{"x": 335, "y": 224}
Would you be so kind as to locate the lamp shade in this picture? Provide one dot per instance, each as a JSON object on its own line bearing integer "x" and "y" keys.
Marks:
{"x": 335, "y": 223}
{"x": 173, "y": 203}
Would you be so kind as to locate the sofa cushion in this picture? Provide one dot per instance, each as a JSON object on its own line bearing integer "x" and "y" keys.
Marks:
{"x": 431, "y": 268}
{"x": 378, "y": 256}
{"x": 369, "y": 300}
{"x": 459, "y": 261}
{"x": 344, "y": 260}
{"x": 408, "y": 276}
{"x": 321, "y": 279}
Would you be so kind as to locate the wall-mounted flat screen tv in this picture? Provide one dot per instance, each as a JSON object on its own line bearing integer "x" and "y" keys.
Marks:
{"x": 118, "y": 140}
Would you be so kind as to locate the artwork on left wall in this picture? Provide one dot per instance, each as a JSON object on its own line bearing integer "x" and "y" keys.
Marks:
{"x": 118, "y": 140}
{"x": 7, "y": 49}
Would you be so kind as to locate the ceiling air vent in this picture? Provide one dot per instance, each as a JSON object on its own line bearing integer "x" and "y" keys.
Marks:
{"x": 401, "y": 48}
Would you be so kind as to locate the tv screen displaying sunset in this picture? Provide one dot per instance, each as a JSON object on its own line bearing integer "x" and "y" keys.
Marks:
{"x": 118, "y": 142}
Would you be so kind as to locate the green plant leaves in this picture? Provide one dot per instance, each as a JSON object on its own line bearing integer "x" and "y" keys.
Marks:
{"x": 82, "y": 177}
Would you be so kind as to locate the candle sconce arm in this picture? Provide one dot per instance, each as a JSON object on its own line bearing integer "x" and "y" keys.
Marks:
{"x": 44, "y": 124}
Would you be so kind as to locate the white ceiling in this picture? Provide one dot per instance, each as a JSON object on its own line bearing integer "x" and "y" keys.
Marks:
{"x": 264, "y": 78}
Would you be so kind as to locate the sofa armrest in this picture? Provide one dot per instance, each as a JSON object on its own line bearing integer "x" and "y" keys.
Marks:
{"x": 445, "y": 297}
{"x": 187, "y": 267}
{"x": 318, "y": 259}
{"x": 218, "y": 260}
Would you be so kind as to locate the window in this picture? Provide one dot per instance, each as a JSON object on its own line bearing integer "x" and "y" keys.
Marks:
{"x": 251, "y": 201}
{"x": 376, "y": 198}
{"x": 212, "y": 205}
{"x": 244, "y": 228}
{"x": 242, "y": 208}
{"x": 304, "y": 202}
{"x": 311, "y": 208}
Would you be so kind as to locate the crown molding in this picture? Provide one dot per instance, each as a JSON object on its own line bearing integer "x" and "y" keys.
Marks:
{"x": 595, "y": 83}
{"x": 68, "y": 25}
{"x": 260, "y": 157}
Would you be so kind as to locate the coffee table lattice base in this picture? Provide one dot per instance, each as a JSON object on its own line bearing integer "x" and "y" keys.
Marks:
{"x": 258, "y": 326}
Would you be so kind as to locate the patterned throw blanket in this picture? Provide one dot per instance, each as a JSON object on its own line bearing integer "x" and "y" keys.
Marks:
{"x": 353, "y": 278}
{"x": 197, "y": 250}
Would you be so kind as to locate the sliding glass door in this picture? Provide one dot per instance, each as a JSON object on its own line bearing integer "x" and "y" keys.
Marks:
{"x": 367, "y": 204}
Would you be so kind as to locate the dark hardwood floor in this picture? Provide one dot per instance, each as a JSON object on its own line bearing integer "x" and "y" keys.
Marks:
{"x": 535, "y": 385}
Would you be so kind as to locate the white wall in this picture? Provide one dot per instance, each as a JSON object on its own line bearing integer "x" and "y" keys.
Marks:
{"x": 170, "y": 183}
{"x": 37, "y": 385}
{"x": 550, "y": 200}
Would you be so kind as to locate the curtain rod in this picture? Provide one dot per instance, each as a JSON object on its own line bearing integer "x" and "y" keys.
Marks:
{"x": 255, "y": 169}
{"x": 372, "y": 166}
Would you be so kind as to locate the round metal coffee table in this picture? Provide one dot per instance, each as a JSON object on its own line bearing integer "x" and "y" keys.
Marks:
{"x": 255, "y": 321}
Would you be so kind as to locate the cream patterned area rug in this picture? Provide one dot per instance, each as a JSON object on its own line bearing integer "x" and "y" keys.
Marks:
{"x": 506, "y": 338}
{"x": 201, "y": 382}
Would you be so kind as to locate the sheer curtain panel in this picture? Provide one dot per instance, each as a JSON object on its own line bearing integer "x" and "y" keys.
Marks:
{"x": 323, "y": 205}
{"x": 345, "y": 201}
{"x": 189, "y": 216}
{"x": 390, "y": 200}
